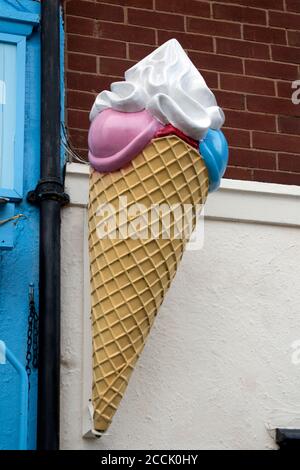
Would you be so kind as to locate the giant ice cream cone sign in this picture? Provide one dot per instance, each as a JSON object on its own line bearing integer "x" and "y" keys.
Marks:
{"x": 156, "y": 150}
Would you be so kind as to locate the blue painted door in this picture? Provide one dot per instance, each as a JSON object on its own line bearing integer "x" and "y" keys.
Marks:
{"x": 19, "y": 221}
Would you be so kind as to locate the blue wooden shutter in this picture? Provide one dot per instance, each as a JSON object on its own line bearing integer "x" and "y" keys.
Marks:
{"x": 12, "y": 84}
{"x": 16, "y": 23}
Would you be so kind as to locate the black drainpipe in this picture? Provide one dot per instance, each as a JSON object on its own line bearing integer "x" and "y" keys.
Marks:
{"x": 50, "y": 196}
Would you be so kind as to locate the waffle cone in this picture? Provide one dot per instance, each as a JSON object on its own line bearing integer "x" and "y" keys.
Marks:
{"x": 130, "y": 277}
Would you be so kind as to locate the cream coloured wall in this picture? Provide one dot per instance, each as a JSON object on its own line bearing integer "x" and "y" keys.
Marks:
{"x": 221, "y": 369}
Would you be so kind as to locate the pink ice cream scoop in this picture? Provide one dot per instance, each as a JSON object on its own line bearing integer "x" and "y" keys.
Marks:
{"x": 115, "y": 138}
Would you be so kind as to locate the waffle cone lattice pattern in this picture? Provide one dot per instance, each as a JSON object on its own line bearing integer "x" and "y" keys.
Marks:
{"x": 129, "y": 277}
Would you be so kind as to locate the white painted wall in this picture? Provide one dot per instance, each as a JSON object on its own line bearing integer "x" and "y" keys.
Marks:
{"x": 218, "y": 371}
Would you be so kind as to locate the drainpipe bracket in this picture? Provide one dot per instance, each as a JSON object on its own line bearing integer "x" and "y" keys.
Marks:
{"x": 48, "y": 189}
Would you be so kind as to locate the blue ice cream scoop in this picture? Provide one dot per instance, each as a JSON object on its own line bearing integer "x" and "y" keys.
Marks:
{"x": 214, "y": 150}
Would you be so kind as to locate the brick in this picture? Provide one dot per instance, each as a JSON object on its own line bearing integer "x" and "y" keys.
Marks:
{"x": 96, "y": 46}
{"x": 89, "y": 83}
{"x": 78, "y": 25}
{"x": 211, "y": 78}
{"x": 228, "y": 100}
{"x": 293, "y": 5}
{"x": 278, "y": 177}
{"x": 188, "y": 41}
{"x": 242, "y": 48}
{"x": 272, "y": 70}
{"x": 216, "y": 62}
{"x": 247, "y": 84}
{"x": 294, "y": 38}
{"x": 157, "y": 19}
{"x": 246, "y": 120}
{"x": 131, "y": 3}
{"x": 253, "y": 89}
{"x": 78, "y": 138}
{"x": 139, "y": 51}
{"x": 238, "y": 173}
{"x": 95, "y": 10}
{"x": 184, "y": 7}
{"x": 78, "y": 119}
{"x": 237, "y": 137}
{"x": 289, "y": 125}
{"x": 239, "y": 14}
{"x": 84, "y": 154}
{"x": 267, "y": 4}
{"x": 128, "y": 33}
{"x": 284, "y": 89}
{"x": 82, "y": 62}
{"x": 264, "y": 34}
{"x": 286, "y": 54}
{"x": 252, "y": 158}
{"x": 80, "y": 100}
{"x": 284, "y": 20}
{"x": 115, "y": 67}
{"x": 272, "y": 105}
{"x": 214, "y": 28}
{"x": 276, "y": 142}
{"x": 288, "y": 162}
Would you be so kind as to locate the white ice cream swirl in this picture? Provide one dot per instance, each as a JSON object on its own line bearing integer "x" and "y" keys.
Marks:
{"x": 169, "y": 86}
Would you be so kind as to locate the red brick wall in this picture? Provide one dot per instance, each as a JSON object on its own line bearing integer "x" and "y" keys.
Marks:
{"x": 247, "y": 50}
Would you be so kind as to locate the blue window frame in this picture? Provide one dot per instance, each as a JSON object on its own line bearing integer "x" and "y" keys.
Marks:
{"x": 12, "y": 110}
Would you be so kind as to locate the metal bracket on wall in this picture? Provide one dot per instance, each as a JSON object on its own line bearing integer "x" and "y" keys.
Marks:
{"x": 48, "y": 188}
{"x": 288, "y": 439}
